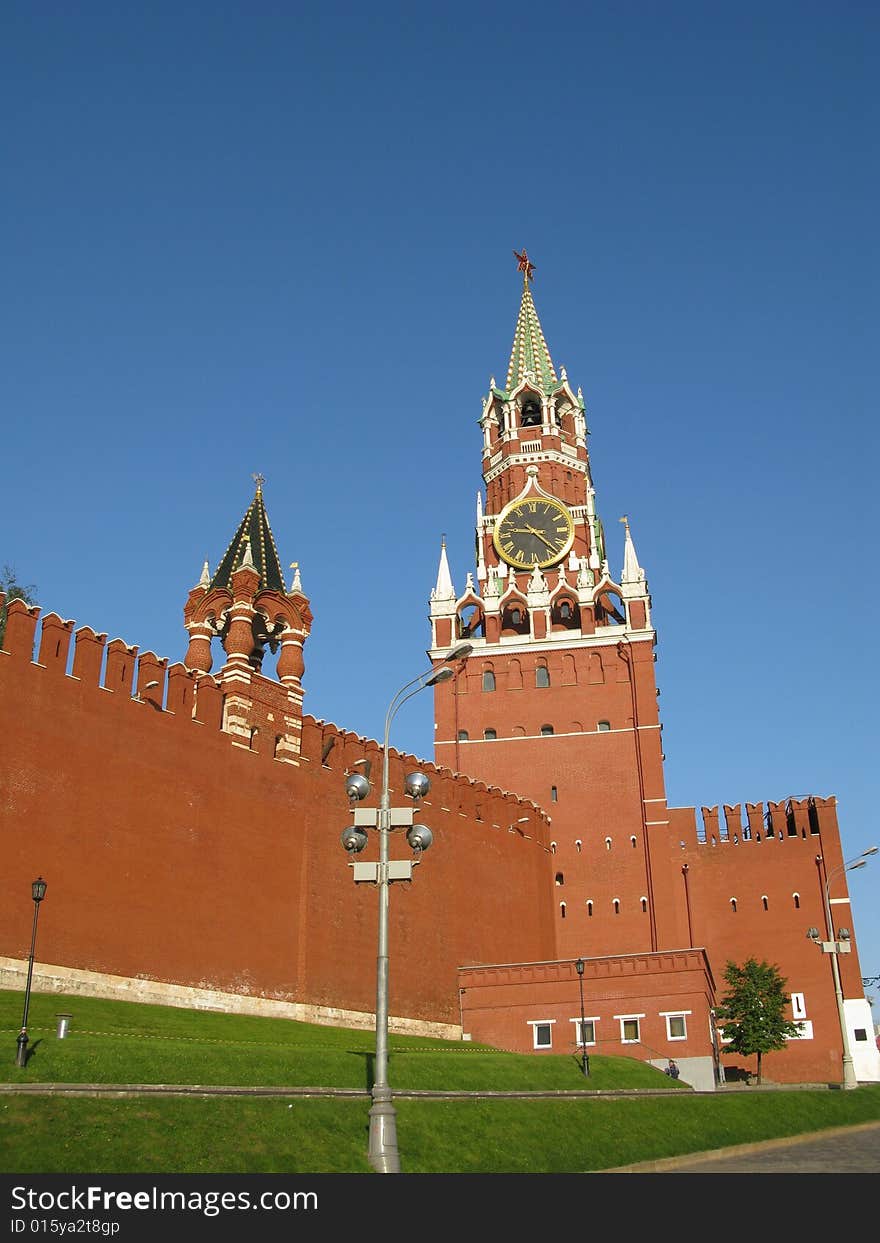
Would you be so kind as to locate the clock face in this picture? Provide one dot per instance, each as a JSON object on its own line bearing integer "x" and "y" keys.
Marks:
{"x": 536, "y": 531}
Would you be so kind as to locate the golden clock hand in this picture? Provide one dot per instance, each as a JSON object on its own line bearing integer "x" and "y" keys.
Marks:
{"x": 532, "y": 531}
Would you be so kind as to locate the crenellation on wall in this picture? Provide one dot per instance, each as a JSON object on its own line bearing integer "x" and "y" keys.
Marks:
{"x": 21, "y": 625}
{"x": 88, "y": 656}
{"x": 119, "y": 668}
{"x": 151, "y": 675}
{"x": 209, "y": 702}
{"x": 460, "y": 792}
{"x": 181, "y": 693}
{"x": 55, "y": 636}
{"x": 744, "y": 823}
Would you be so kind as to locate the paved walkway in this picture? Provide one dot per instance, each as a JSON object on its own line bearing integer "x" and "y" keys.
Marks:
{"x": 842, "y": 1150}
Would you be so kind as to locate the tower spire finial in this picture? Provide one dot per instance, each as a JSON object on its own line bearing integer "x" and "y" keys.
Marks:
{"x": 524, "y": 265}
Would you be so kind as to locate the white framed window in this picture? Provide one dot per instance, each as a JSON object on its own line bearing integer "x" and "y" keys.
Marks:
{"x": 798, "y": 1006}
{"x": 586, "y": 1034}
{"x": 676, "y": 1024}
{"x": 542, "y": 1033}
{"x": 630, "y": 1028}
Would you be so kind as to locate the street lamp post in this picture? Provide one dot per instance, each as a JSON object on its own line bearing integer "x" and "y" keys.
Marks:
{"x": 383, "y": 1152}
{"x": 835, "y": 946}
{"x": 38, "y": 892}
{"x": 585, "y": 1061}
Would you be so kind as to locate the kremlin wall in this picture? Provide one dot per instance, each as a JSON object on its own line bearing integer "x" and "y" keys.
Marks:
{"x": 176, "y": 854}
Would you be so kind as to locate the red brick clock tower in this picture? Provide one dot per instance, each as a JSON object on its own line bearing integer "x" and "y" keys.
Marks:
{"x": 558, "y": 700}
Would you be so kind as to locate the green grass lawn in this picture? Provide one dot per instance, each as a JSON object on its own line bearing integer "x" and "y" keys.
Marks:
{"x": 116, "y": 1042}
{"x": 122, "y": 1042}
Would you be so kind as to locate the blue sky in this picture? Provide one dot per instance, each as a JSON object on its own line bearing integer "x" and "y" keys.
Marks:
{"x": 278, "y": 237}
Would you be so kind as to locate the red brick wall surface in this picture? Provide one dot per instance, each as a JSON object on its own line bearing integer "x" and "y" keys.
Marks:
{"x": 174, "y": 854}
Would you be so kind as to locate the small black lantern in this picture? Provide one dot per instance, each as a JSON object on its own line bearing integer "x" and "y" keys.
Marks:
{"x": 38, "y": 892}
{"x": 585, "y": 1061}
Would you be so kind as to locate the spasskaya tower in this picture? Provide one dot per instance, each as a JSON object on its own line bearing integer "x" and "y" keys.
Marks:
{"x": 558, "y": 699}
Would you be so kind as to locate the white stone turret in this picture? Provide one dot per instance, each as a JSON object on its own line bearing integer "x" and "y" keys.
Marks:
{"x": 444, "y": 589}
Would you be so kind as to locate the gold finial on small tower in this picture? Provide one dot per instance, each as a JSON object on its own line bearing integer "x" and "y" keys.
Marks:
{"x": 259, "y": 480}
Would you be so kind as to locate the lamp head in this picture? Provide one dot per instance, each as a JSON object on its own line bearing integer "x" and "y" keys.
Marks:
{"x": 38, "y": 889}
{"x": 812, "y": 934}
{"x": 443, "y": 674}
{"x": 579, "y": 966}
{"x": 460, "y": 652}
{"x": 416, "y": 785}
{"x": 419, "y": 838}
{"x": 844, "y": 934}
{"x": 356, "y": 787}
{"x": 353, "y": 839}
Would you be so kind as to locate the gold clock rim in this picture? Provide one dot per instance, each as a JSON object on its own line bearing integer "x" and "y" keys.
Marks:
{"x": 531, "y": 565}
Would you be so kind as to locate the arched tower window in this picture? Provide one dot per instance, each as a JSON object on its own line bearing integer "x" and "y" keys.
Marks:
{"x": 515, "y": 619}
{"x": 616, "y": 904}
{"x": 564, "y": 614}
{"x": 553, "y": 848}
{"x": 578, "y": 845}
{"x": 546, "y": 729}
{"x": 470, "y": 621}
{"x": 603, "y": 726}
{"x": 488, "y": 680}
{"x": 607, "y": 843}
{"x": 609, "y": 609}
{"x": 644, "y": 902}
{"x": 462, "y": 735}
{"x": 562, "y": 910}
{"x": 764, "y": 902}
{"x": 632, "y": 841}
{"x": 489, "y": 735}
{"x": 542, "y": 676}
{"x": 796, "y": 898}
{"x": 590, "y": 907}
{"x": 733, "y": 904}
{"x": 530, "y": 415}
{"x": 560, "y": 878}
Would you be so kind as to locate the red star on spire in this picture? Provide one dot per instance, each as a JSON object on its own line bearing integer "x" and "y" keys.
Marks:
{"x": 524, "y": 264}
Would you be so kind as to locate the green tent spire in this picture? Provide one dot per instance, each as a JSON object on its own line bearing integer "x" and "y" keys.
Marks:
{"x": 530, "y": 352}
{"x": 253, "y": 543}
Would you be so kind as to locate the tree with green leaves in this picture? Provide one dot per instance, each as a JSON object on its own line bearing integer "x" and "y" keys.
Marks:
{"x": 752, "y": 1010}
{"x": 13, "y": 590}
